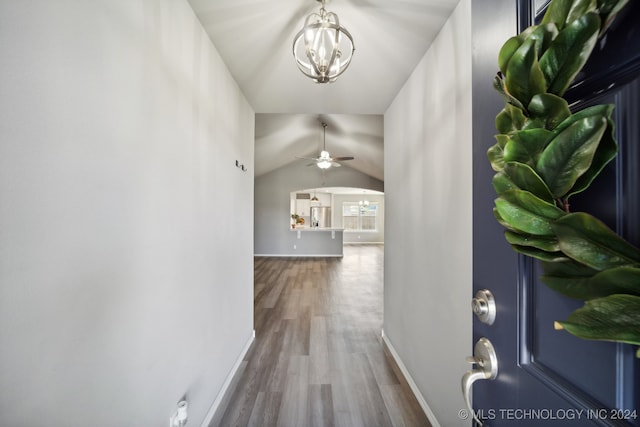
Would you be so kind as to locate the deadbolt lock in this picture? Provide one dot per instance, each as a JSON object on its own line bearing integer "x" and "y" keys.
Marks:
{"x": 484, "y": 306}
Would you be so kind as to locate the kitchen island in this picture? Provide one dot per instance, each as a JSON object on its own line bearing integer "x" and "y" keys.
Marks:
{"x": 315, "y": 241}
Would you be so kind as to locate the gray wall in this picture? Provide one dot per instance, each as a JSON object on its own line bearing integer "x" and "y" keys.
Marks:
{"x": 123, "y": 284}
{"x": 428, "y": 250}
{"x": 273, "y": 195}
{"x": 360, "y": 236}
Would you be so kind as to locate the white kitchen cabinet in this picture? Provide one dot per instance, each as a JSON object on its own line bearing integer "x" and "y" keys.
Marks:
{"x": 302, "y": 207}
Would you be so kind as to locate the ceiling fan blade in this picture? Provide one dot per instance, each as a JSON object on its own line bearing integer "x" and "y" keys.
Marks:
{"x": 312, "y": 164}
{"x": 335, "y": 165}
{"x": 307, "y": 158}
{"x": 342, "y": 159}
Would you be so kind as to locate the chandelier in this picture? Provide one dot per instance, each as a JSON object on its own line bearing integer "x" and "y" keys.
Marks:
{"x": 322, "y": 48}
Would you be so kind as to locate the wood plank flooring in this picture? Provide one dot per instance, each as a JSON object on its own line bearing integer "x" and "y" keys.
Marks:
{"x": 318, "y": 358}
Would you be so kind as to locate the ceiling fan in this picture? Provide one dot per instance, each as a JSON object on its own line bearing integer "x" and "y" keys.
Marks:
{"x": 324, "y": 160}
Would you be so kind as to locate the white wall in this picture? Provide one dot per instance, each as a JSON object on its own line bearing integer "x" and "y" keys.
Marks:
{"x": 126, "y": 245}
{"x": 428, "y": 246}
{"x": 273, "y": 201}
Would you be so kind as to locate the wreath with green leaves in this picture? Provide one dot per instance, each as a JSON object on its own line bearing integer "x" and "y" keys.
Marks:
{"x": 545, "y": 153}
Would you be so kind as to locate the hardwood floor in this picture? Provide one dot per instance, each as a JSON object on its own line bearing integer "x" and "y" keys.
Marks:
{"x": 318, "y": 358}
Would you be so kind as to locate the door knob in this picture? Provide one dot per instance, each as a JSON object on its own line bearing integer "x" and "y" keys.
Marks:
{"x": 486, "y": 361}
{"x": 484, "y": 306}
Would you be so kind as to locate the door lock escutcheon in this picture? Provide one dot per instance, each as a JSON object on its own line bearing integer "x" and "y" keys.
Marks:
{"x": 484, "y": 306}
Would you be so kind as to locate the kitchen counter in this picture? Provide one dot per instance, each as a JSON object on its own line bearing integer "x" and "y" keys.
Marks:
{"x": 316, "y": 242}
{"x": 317, "y": 229}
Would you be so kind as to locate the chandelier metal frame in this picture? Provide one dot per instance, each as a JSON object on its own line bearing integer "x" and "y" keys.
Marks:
{"x": 323, "y": 49}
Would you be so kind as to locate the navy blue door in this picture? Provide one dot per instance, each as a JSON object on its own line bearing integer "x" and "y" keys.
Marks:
{"x": 548, "y": 377}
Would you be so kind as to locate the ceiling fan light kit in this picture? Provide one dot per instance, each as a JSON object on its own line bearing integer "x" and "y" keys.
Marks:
{"x": 325, "y": 161}
{"x": 323, "y": 48}
{"x": 324, "y": 164}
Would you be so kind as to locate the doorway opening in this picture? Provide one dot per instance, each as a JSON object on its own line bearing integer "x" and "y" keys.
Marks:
{"x": 359, "y": 212}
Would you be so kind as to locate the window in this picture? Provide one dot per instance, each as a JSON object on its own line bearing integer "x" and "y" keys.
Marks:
{"x": 359, "y": 216}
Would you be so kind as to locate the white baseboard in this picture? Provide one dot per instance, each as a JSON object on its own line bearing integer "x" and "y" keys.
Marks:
{"x": 227, "y": 382}
{"x": 414, "y": 388}
{"x": 363, "y": 243}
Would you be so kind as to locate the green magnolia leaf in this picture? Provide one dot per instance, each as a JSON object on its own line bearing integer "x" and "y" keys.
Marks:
{"x": 527, "y": 213}
{"x": 507, "y": 51}
{"x": 547, "y": 244}
{"x": 502, "y": 139}
{"x": 502, "y": 183}
{"x": 568, "y": 53}
{"x": 526, "y": 33}
{"x": 539, "y": 254}
{"x": 510, "y": 120}
{"x": 524, "y": 177}
{"x": 517, "y": 116}
{"x": 619, "y": 280}
{"x": 557, "y": 13}
{"x": 549, "y": 109}
{"x": 500, "y": 85}
{"x": 496, "y": 157}
{"x": 604, "y": 110}
{"x": 612, "y": 318}
{"x": 606, "y": 151}
{"x": 568, "y": 268}
{"x": 607, "y": 148}
{"x": 504, "y": 123}
{"x": 590, "y": 242}
{"x": 544, "y": 35}
{"x": 526, "y": 146}
{"x": 570, "y": 153}
{"x": 501, "y": 221}
{"x": 580, "y": 8}
{"x": 495, "y": 152}
{"x": 524, "y": 77}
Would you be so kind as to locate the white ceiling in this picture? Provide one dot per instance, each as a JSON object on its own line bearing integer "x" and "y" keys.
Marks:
{"x": 254, "y": 38}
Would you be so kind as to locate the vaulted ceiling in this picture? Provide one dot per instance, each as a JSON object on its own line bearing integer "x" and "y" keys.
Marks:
{"x": 254, "y": 39}
{"x": 282, "y": 137}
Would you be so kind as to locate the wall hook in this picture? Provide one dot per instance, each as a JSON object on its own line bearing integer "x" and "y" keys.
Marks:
{"x": 241, "y": 167}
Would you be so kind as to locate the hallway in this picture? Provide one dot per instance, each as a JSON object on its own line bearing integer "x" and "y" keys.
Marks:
{"x": 318, "y": 358}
